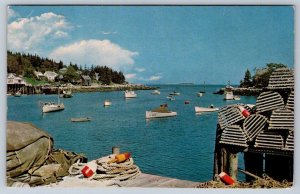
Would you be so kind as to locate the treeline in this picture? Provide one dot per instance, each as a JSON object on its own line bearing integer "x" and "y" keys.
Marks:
{"x": 25, "y": 65}
{"x": 261, "y": 77}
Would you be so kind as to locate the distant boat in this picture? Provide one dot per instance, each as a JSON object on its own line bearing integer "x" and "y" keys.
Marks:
{"x": 130, "y": 94}
{"x": 81, "y": 119}
{"x": 228, "y": 94}
{"x": 160, "y": 112}
{"x": 174, "y": 93}
{"x": 186, "y": 102}
{"x": 236, "y": 97}
{"x": 53, "y": 107}
{"x": 201, "y": 93}
{"x": 67, "y": 94}
{"x": 18, "y": 94}
{"x": 107, "y": 103}
{"x": 205, "y": 109}
{"x": 155, "y": 92}
{"x": 170, "y": 97}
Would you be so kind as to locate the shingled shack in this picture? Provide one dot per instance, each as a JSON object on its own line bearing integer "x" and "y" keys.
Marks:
{"x": 266, "y": 137}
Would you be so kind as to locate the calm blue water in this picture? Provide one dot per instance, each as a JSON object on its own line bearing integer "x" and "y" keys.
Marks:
{"x": 180, "y": 147}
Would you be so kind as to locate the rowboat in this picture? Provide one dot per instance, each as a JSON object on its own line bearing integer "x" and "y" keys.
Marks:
{"x": 81, "y": 119}
{"x": 205, "y": 109}
{"x": 107, "y": 103}
{"x": 155, "y": 92}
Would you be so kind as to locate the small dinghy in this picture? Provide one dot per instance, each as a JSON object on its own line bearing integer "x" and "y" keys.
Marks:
{"x": 211, "y": 108}
{"x": 81, "y": 119}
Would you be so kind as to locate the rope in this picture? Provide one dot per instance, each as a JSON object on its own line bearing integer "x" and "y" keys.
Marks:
{"x": 109, "y": 171}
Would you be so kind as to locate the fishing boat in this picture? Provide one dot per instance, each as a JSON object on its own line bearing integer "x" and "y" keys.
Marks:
{"x": 170, "y": 97}
{"x": 211, "y": 108}
{"x": 160, "y": 112}
{"x": 130, "y": 94}
{"x": 67, "y": 94}
{"x": 155, "y": 92}
{"x": 174, "y": 93}
{"x": 107, "y": 103}
{"x": 18, "y": 94}
{"x": 81, "y": 119}
{"x": 228, "y": 94}
{"x": 52, "y": 107}
{"x": 201, "y": 93}
{"x": 236, "y": 97}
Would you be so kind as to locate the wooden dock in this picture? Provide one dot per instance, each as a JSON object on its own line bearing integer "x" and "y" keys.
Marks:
{"x": 141, "y": 181}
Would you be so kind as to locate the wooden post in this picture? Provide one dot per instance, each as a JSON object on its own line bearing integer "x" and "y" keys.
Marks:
{"x": 253, "y": 164}
{"x": 233, "y": 165}
{"x": 115, "y": 150}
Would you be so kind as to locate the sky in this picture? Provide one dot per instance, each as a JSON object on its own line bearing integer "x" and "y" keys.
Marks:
{"x": 158, "y": 44}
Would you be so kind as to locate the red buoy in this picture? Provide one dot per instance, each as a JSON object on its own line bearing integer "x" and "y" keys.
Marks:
{"x": 244, "y": 111}
{"x": 89, "y": 169}
{"x": 226, "y": 178}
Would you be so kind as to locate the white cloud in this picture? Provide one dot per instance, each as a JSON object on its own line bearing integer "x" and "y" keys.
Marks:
{"x": 26, "y": 34}
{"x": 140, "y": 69}
{"x": 107, "y": 33}
{"x": 130, "y": 76}
{"x": 96, "y": 52}
{"x": 155, "y": 77}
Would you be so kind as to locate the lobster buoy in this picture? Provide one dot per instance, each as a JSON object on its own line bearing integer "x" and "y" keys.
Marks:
{"x": 120, "y": 157}
{"x": 226, "y": 178}
{"x": 244, "y": 111}
{"x": 89, "y": 169}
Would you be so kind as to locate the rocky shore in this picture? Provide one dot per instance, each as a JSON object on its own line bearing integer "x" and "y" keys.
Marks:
{"x": 243, "y": 91}
{"x": 96, "y": 88}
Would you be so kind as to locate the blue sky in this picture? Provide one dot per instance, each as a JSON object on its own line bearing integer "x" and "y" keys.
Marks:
{"x": 158, "y": 44}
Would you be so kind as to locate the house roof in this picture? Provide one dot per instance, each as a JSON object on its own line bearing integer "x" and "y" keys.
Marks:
{"x": 86, "y": 77}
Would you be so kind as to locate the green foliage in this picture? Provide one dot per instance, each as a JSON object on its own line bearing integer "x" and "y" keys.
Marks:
{"x": 71, "y": 74}
{"x": 261, "y": 77}
{"x": 247, "y": 80}
{"x": 26, "y": 64}
{"x": 34, "y": 82}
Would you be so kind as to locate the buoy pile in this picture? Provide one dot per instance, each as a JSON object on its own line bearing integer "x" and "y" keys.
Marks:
{"x": 113, "y": 167}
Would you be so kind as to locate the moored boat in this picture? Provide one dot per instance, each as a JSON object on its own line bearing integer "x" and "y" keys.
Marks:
{"x": 67, "y": 94}
{"x": 107, "y": 103}
{"x": 228, "y": 94}
{"x": 174, "y": 93}
{"x": 81, "y": 119}
{"x": 155, "y": 92}
{"x": 52, "y": 107}
{"x": 130, "y": 94}
{"x": 160, "y": 112}
{"x": 199, "y": 109}
{"x": 236, "y": 97}
{"x": 17, "y": 94}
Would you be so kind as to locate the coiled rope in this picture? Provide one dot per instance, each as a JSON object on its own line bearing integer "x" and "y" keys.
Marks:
{"x": 109, "y": 171}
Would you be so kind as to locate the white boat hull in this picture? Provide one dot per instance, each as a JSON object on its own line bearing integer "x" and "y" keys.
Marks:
{"x": 151, "y": 114}
{"x": 204, "y": 109}
{"x": 155, "y": 92}
{"x": 107, "y": 103}
{"x": 130, "y": 94}
{"x": 52, "y": 107}
{"x": 228, "y": 96}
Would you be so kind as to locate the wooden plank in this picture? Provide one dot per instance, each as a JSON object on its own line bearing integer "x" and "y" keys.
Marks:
{"x": 148, "y": 180}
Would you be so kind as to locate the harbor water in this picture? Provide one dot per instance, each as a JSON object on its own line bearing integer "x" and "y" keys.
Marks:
{"x": 179, "y": 147}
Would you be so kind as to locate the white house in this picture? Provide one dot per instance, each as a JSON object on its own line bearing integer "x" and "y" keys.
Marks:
{"x": 63, "y": 70}
{"x": 38, "y": 74}
{"x": 13, "y": 79}
{"x": 50, "y": 75}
